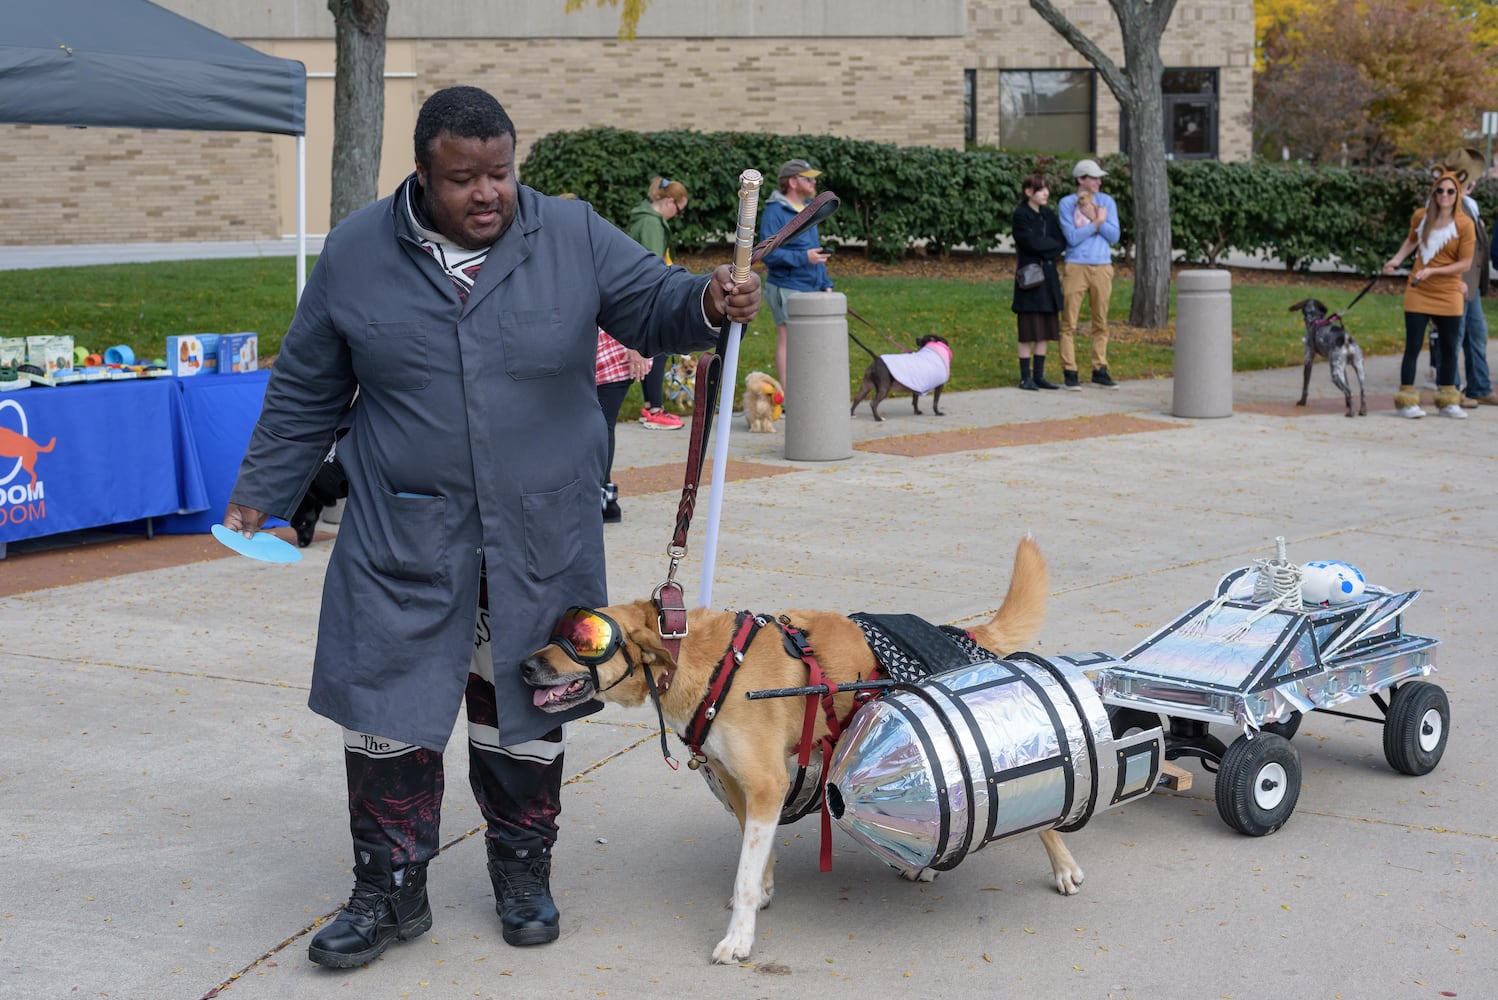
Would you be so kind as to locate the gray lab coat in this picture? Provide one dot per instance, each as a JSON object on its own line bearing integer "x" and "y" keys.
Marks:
{"x": 476, "y": 435}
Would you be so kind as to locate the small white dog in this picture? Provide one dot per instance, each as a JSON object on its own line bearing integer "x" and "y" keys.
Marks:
{"x": 763, "y": 399}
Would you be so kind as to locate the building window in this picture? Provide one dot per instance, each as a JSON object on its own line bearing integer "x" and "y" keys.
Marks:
{"x": 970, "y": 106}
{"x": 1190, "y": 114}
{"x": 1049, "y": 111}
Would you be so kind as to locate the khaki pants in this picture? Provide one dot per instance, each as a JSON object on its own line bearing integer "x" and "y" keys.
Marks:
{"x": 1095, "y": 281}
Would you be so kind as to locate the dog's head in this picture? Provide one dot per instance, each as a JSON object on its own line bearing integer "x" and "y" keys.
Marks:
{"x": 930, "y": 338}
{"x": 601, "y": 654}
{"x": 1311, "y": 309}
{"x": 766, "y": 388}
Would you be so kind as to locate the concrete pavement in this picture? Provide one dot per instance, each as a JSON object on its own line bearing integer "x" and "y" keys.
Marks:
{"x": 175, "y": 822}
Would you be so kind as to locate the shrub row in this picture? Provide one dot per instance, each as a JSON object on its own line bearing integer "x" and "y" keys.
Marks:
{"x": 893, "y": 197}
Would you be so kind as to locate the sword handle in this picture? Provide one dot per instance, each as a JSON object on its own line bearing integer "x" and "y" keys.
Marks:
{"x": 749, "y": 183}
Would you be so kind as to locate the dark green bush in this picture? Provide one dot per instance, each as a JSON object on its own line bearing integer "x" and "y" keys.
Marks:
{"x": 893, "y": 197}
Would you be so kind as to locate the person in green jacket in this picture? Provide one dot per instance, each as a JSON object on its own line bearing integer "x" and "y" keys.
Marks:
{"x": 650, "y": 226}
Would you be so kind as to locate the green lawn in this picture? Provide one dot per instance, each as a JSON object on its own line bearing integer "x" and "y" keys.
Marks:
{"x": 141, "y": 304}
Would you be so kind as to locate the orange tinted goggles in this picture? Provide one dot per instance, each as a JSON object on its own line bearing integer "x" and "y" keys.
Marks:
{"x": 587, "y": 636}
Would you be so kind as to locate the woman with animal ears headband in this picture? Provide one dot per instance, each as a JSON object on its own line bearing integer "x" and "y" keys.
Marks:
{"x": 1443, "y": 240}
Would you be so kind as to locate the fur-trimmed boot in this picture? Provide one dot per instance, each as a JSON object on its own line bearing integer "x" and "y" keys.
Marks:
{"x": 1449, "y": 402}
{"x": 522, "y": 891}
{"x": 1407, "y": 402}
{"x": 377, "y": 914}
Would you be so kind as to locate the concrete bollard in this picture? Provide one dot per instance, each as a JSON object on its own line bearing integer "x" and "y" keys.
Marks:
{"x": 817, "y": 425}
{"x": 1204, "y": 345}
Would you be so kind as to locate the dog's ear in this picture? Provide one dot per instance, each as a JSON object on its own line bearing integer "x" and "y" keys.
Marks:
{"x": 1299, "y": 306}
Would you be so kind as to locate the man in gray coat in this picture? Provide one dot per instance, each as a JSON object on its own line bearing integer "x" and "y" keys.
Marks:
{"x": 451, "y": 328}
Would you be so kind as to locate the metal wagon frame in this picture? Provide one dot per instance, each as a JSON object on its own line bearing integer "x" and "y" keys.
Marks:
{"x": 1261, "y": 669}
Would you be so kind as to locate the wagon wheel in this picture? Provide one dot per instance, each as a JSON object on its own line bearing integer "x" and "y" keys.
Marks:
{"x": 1286, "y": 727}
{"x": 1416, "y": 727}
{"x": 1258, "y": 784}
{"x": 1130, "y": 720}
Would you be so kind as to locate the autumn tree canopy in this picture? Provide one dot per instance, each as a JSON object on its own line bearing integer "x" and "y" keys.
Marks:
{"x": 1393, "y": 80}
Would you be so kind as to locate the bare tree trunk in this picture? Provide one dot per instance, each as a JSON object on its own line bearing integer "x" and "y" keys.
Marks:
{"x": 358, "y": 103}
{"x": 1137, "y": 88}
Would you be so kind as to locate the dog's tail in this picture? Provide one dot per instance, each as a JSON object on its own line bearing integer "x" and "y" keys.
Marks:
{"x": 1017, "y": 623}
{"x": 863, "y": 345}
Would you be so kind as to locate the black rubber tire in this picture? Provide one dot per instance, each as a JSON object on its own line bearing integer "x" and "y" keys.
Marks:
{"x": 1127, "y": 720}
{"x": 1285, "y": 727}
{"x": 1416, "y": 728}
{"x": 1258, "y": 784}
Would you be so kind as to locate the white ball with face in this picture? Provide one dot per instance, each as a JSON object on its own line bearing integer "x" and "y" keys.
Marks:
{"x": 1331, "y": 582}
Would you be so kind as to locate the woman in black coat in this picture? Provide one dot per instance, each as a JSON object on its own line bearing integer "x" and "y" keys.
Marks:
{"x": 1038, "y": 241}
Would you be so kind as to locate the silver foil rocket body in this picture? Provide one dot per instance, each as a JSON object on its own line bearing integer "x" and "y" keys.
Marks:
{"x": 929, "y": 773}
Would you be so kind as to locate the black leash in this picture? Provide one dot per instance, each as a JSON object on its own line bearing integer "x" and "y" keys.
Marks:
{"x": 1366, "y": 289}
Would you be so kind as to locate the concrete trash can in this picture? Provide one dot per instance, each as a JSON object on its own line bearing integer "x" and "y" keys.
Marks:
{"x": 817, "y": 425}
{"x": 1203, "y": 345}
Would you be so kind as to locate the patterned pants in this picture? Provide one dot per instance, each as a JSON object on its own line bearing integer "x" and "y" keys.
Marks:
{"x": 395, "y": 789}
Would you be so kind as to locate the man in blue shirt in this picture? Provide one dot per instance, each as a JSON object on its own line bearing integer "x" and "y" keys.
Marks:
{"x": 1089, "y": 221}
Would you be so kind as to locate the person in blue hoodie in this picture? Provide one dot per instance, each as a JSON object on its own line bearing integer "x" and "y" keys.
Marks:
{"x": 799, "y": 264}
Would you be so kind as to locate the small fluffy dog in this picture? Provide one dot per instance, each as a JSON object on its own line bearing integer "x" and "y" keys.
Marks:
{"x": 1326, "y": 336}
{"x": 925, "y": 369}
{"x": 607, "y": 654}
{"x": 762, "y": 402}
{"x": 678, "y": 382}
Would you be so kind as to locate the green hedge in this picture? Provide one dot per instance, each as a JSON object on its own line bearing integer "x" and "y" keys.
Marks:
{"x": 896, "y": 196}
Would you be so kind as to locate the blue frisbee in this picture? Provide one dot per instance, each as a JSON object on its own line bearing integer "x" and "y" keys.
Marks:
{"x": 264, "y": 546}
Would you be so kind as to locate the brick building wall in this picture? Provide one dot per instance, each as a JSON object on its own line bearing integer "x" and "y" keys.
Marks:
{"x": 63, "y": 185}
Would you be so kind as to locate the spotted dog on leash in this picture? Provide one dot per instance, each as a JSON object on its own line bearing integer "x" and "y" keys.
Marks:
{"x": 1326, "y": 336}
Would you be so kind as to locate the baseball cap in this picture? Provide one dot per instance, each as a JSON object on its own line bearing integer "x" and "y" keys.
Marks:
{"x": 1088, "y": 168}
{"x": 798, "y": 168}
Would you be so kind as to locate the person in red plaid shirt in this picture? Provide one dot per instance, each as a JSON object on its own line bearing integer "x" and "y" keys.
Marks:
{"x": 616, "y": 370}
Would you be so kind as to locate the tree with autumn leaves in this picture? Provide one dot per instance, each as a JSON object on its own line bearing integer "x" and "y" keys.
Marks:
{"x": 1372, "y": 82}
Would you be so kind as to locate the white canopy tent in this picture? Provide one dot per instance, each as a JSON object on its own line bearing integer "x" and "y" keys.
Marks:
{"x": 132, "y": 64}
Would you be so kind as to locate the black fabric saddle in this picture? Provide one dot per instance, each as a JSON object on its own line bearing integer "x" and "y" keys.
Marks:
{"x": 911, "y": 649}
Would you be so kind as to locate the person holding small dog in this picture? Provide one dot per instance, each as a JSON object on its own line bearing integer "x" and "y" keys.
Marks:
{"x": 1089, "y": 222}
{"x": 1443, "y": 240}
{"x": 1038, "y": 243}
{"x": 464, "y": 311}
{"x": 650, "y": 226}
{"x": 799, "y": 264}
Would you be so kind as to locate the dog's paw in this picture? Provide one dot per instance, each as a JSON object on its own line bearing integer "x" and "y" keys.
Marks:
{"x": 919, "y": 875}
{"x": 733, "y": 949}
{"x": 1068, "y": 880}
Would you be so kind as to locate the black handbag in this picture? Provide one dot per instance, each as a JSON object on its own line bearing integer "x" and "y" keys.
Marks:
{"x": 1029, "y": 276}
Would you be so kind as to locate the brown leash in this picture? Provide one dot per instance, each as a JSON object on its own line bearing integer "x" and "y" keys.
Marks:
{"x": 669, "y": 597}
{"x": 871, "y": 326}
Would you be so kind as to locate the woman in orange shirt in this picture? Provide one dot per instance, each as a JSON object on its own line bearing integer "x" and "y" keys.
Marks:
{"x": 1443, "y": 240}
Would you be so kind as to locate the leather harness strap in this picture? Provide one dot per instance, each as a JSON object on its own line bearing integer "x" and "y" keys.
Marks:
{"x": 745, "y": 628}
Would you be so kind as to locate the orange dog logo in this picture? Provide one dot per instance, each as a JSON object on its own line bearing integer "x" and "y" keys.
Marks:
{"x": 13, "y": 445}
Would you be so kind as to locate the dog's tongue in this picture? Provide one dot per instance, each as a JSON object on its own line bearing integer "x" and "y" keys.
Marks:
{"x": 547, "y": 693}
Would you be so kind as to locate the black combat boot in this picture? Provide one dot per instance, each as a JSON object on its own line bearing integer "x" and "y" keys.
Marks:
{"x": 611, "y": 512}
{"x": 522, "y": 891}
{"x": 378, "y": 912}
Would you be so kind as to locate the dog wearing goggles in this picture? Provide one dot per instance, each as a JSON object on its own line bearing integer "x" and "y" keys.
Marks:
{"x": 616, "y": 654}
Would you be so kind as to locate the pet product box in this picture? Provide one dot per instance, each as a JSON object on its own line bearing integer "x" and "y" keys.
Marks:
{"x": 238, "y": 353}
{"x": 192, "y": 354}
{"x": 12, "y": 351}
{"x": 50, "y": 353}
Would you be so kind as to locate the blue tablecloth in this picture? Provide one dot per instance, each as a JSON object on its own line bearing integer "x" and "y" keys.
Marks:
{"x": 221, "y": 411}
{"x": 112, "y": 453}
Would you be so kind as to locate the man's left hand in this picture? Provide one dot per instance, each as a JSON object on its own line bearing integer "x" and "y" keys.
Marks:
{"x": 725, "y": 300}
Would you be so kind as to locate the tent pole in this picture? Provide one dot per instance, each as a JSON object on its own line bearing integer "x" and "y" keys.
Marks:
{"x": 301, "y": 215}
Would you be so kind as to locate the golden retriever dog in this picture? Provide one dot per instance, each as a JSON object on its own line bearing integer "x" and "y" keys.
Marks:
{"x": 608, "y": 653}
{"x": 763, "y": 399}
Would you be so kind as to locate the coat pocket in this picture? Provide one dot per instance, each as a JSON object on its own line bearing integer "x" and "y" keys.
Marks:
{"x": 411, "y": 540}
{"x": 393, "y": 356}
{"x": 532, "y": 342}
{"x": 553, "y": 528}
